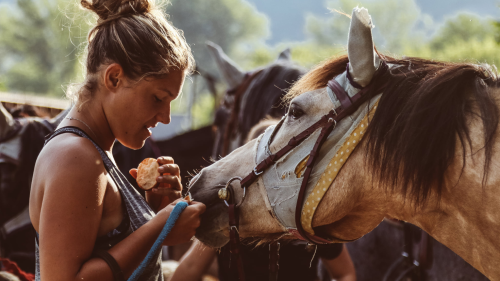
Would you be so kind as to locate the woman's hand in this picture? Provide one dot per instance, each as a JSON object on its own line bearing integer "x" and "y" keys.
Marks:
{"x": 169, "y": 184}
{"x": 186, "y": 225}
{"x": 170, "y": 180}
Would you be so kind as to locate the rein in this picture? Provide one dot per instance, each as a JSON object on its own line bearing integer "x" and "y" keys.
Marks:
{"x": 327, "y": 123}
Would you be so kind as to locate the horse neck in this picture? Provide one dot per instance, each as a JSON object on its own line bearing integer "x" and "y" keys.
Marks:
{"x": 465, "y": 218}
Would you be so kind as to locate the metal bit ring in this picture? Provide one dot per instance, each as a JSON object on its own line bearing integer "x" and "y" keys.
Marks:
{"x": 228, "y": 185}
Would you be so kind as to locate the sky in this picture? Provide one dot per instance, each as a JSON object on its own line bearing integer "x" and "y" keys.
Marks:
{"x": 287, "y": 17}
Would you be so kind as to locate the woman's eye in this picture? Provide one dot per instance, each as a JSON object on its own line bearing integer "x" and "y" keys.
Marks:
{"x": 157, "y": 99}
{"x": 295, "y": 113}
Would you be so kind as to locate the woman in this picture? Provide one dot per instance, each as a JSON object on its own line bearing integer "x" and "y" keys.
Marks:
{"x": 91, "y": 224}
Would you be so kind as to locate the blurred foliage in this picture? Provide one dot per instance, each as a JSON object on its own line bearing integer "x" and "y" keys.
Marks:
{"x": 228, "y": 23}
{"x": 462, "y": 38}
{"x": 202, "y": 110}
{"x": 393, "y": 29}
{"x": 40, "y": 41}
{"x": 232, "y": 24}
{"x": 462, "y": 28}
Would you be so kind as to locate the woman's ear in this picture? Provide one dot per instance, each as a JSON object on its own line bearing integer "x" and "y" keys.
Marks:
{"x": 114, "y": 77}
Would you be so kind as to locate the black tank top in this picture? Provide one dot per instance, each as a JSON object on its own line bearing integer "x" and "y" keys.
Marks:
{"x": 136, "y": 212}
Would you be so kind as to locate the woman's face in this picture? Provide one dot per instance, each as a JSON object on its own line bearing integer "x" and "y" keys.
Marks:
{"x": 137, "y": 107}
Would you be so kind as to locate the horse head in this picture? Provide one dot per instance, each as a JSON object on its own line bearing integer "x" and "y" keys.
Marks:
{"x": 418, "y": 146}
{"x": 251, "y": 96}
{"x": 273, "y": 196}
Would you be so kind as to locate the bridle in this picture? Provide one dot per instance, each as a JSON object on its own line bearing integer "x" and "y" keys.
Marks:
{"x": 348, "y": 105}
{"x": 234, "y": 105}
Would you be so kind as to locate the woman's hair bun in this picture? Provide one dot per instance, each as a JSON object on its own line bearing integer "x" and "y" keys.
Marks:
{"x": 109, "y": 10}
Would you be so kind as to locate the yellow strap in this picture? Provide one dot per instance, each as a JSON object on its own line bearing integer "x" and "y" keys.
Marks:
{"x": 332, "y": 170}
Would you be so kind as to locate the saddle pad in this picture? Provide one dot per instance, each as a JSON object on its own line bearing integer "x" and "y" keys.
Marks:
{"x": 332, "y": 170}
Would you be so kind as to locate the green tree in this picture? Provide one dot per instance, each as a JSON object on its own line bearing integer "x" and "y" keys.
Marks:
{"x": 398, "y": 23}
{"x": 232, "y": 24}
{"x": 41, "y": 41}
{"x": 462, "y": 38}
{"x": 461, "y": 28}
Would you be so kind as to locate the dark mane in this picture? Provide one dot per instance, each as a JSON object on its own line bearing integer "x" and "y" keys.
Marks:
{"x": 257, "y": 97}
{"x": 411, "y": 140}
{"x": 263, "y": 96}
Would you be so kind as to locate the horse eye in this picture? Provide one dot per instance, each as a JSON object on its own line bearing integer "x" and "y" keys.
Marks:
{"x": 295, "y": 113}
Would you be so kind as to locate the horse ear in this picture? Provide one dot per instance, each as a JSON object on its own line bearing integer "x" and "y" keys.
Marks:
{"x": 231, "y": 73}
{"x": 285, "y": 55}
{"x": 363, "y": 61}
{"x": 6, "y": 121}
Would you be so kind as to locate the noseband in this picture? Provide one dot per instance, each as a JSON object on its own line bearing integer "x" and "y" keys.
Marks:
{"x": 327, "y": 123}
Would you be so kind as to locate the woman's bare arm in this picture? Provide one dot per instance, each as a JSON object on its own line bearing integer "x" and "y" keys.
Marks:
{"x": 341, "y": 268}
{"x": 71, "y": 211}
{"x": 194, "y": 263}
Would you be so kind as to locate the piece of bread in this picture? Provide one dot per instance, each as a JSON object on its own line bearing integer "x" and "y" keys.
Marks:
{"x": 147, "y": 172}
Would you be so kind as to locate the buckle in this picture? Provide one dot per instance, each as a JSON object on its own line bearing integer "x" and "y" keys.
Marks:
{"x": 255, "y": 171}
{"x": 233, "y": 227}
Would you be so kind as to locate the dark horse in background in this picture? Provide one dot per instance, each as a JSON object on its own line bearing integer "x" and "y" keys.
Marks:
{"x": 251, "y": 96}
{"x": 379, "y": 254}
{"x": 21, "y": 140}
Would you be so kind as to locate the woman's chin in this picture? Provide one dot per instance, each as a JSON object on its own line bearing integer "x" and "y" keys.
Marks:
{"x": 135, "y": 144}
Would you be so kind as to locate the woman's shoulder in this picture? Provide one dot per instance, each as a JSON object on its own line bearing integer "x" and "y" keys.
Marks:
{"x": 69, "y": 158}
{"x": 69, "y": 148}
{"x": 69, "y": 176}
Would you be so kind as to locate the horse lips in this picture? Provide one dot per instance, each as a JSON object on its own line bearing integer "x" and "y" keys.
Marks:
{"x": 147, "y": 172}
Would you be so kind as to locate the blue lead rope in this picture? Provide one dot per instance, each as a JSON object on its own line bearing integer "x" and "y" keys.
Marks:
{"x": 179, "y": 207}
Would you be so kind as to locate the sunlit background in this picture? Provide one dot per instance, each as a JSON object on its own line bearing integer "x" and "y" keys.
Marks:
{"x": 42, "y": 42}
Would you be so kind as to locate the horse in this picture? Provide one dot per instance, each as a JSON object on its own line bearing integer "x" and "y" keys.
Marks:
{"x": 422, "y": 150}
{"x": 21, "y": 140}
{"x": 251, "y": 96}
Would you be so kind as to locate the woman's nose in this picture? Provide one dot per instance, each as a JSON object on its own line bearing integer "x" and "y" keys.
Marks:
{"x": 164, "y": 117}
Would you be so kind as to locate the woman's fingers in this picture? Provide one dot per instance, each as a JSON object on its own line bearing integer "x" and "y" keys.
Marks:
{"x": 170, "y": 174}
{"x": 169, "y": 181}
{"x": 165, "y": 160}
{"x": 198, "y": 207}
{"x": 172, "y": 169}
{"x": 186, "y": 226}
{"x": 167, "y": 192}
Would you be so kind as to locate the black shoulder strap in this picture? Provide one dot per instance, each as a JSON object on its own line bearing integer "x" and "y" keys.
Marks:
{"x": 108, "y": 164}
